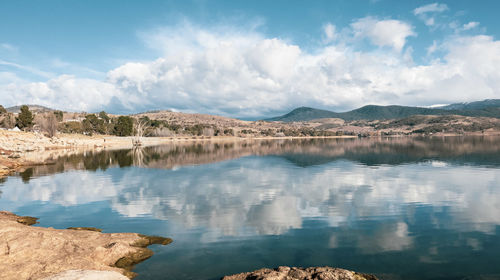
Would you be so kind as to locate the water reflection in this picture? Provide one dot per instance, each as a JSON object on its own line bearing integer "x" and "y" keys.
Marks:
{"x": 420, "y": 201}
{"x": 484, "y": 151}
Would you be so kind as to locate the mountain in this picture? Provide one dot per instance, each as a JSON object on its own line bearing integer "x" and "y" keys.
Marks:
{"x": 477, "y": 105}
{"x": 33, "y": 108}
{"x": 305, "y": 114}
{"x": 485, "y": 108}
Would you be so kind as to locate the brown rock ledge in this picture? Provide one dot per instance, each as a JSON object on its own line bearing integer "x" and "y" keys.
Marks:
{"x": 297, "y": 273}
{"x": 34, "y": 252}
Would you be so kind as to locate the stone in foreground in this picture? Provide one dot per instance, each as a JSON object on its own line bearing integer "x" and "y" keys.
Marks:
{"x": 87, "y": 275}
{"x": 28, "y": 252}
{"x": 295, "y": 273}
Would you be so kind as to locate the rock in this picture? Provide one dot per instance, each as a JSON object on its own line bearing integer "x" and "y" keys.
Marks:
{"x": 27, "y": 220}
{"x": 86, "y": 228}
{"x": 15, "y": 156}
{"x": 87, "y": 275}
{"x": 295, "y": 273}
{"x": 35, "y": 252}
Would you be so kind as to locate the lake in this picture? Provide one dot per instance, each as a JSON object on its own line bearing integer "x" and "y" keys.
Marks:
{"x": 400, "y": 208}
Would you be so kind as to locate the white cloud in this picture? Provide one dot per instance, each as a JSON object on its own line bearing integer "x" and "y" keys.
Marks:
{"x": 470, "y": 25}
{"x": 432, "y": 48}
{"x": 65, "y": 92}
{"x": 430, "y": 8}
{"x": 28, "y": 69}
{"x": 330, "y": 32}
{"x": 391, "y": 33}
{"x": 246, "y": 74}
{"x": 427, "y": 12}
{"x": 8, "y": 47}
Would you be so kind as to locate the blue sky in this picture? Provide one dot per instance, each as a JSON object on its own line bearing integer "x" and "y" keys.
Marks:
{"x": 246, "y": 58}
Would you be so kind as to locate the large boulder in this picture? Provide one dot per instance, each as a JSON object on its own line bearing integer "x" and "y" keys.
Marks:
{"x": 296, "y": 273}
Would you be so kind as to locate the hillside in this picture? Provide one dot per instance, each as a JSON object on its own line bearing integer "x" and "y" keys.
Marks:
{"x": 487, "y": 108}
{"x": 476, "y": 105}
{"x": 305, "y": 114}
{"x": 33, "y": 108}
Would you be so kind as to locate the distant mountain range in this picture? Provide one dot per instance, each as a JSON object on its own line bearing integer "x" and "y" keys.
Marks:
{"x": 33, "y": 108}
{"x": 485, "y": 108}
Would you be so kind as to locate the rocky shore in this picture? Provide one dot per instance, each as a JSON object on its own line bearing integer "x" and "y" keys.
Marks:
{"x": 28, "y": 252}
{"x": 295, "y": 273}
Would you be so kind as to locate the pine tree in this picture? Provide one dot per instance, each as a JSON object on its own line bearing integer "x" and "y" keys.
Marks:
{"x": 25, "y": 118}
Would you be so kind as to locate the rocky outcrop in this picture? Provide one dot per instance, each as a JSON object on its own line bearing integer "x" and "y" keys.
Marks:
{"x": 294, "y": 273}
{"x": 28, "y": 252}
{"x": 87, "y": 275}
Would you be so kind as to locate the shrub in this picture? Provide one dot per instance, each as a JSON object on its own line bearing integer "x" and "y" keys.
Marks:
{"x": 25, "y": 118}
{"x": 59, "y": 115}
{"x": 124, "y": 126}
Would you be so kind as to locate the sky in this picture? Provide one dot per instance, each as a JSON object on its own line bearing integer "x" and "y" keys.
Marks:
{"x": 247, "y": 59}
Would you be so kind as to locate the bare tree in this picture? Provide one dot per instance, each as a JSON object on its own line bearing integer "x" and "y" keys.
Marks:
{"x": 47, "y": 123}
{"x": 140, "y": 128}
{"x": 138, "y": 156}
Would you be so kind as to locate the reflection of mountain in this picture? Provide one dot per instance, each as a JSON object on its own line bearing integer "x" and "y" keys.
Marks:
{"x": 301, "y": 152}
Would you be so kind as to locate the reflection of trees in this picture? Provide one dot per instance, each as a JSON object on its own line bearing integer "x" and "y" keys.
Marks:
{"x": 26, "y": 175}
{"x": 301, "y": 152}
{"x": 2, "y": 181}
{"x": 138, "y": 156}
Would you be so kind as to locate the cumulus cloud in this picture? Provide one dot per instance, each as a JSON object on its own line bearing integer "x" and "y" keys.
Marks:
{"x": 65, "y": 91}
{"x": 246, "y": 74}
{"x": 391, "y": 33}
{"x": 330, "y": 32}
{"x": 470, "y": 25}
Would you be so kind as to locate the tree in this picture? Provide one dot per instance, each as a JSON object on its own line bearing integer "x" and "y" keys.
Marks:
{"x": 48, "y": 124}
{"x": 25, "y": 118}
{"x": 104, "y": 116}
{"x": 140, "y": 128}
{"x": 93, "y": 124}
{"x": 2, "y": 110}
{"x": 59, "y": 115}
{"x": 7, "y": 120}
{"x": 124, "y": 126}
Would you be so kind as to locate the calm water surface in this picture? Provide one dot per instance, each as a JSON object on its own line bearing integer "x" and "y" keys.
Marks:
{"x": 398, "y": 208}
